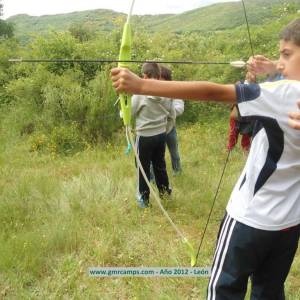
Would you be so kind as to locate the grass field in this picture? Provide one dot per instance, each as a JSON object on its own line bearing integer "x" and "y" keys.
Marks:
{"x": 61, "y": 215}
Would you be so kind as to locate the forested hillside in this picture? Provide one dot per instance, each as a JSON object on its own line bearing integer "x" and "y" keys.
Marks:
{"x": 215, "y": 17}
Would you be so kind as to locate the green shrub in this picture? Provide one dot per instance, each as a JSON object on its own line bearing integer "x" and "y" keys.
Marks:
{"x": 65, "y": 140}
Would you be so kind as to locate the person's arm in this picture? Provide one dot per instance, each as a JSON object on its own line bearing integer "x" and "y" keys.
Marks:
{"x": 171, "y": 117}
{"x": 134, "y": 105}
{"x": 294, "y": 119}
{"x": 234, "y": 114}
{"x": 128, "y": 82}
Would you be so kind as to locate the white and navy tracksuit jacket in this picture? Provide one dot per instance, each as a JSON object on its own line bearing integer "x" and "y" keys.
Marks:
{"x": 265, "y": 199}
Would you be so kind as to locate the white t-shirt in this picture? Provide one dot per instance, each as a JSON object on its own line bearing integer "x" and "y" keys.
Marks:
{"x": 267, "y": 194}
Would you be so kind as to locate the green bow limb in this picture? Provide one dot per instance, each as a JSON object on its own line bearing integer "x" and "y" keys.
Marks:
{"x": 125, "y": 55}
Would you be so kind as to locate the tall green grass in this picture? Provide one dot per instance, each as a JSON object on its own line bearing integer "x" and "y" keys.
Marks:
{"x": 61, "y": 215}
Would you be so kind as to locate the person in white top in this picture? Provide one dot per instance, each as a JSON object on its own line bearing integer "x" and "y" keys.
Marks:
{"x": 260, "y": 232}
{"x": 171, "y": 138}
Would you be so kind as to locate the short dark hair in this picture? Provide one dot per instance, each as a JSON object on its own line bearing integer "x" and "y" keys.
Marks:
{"x": 151, "y": 69}
{"x": 165, "y": 73}
{"x": 291, "y": 32}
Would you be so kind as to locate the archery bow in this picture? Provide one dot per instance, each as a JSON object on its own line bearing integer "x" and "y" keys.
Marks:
{"x": 125, "y": 101}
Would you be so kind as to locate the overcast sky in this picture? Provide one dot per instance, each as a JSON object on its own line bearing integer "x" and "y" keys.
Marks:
{"x": 48, "y": 7}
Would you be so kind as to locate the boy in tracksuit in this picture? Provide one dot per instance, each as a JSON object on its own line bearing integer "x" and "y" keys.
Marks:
{"x": 151, "y": 115}
{"x": 259, "y": 235}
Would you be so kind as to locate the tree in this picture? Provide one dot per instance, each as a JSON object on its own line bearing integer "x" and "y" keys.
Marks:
{"x": 6, "y": 29}
{"x": 81, "y": 32}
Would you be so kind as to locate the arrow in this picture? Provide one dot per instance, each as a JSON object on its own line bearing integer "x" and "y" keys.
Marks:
{"x": 236, "y": 64}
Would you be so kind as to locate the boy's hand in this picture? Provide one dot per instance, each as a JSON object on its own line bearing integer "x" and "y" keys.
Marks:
{"x": 250, "y": 77}
{"x": 125, "y": 81}
{"x": 261, "y": 65}
{"x": 294, "y": 119}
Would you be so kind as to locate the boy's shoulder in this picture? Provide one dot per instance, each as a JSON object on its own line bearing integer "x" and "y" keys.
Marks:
{"x": 281, "y": 88}
{"x": 285, "y": 83}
